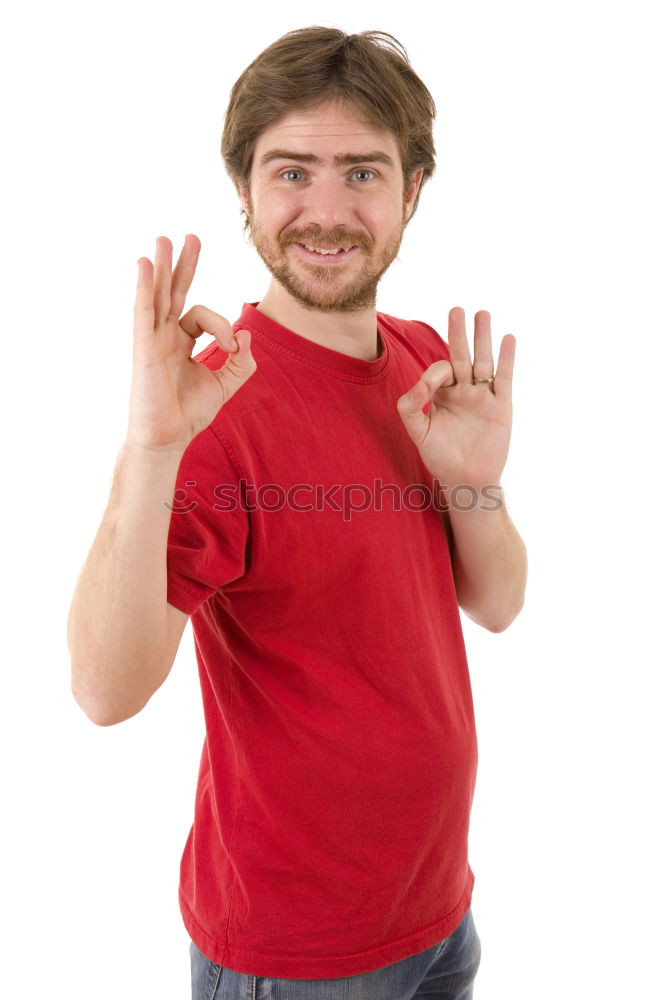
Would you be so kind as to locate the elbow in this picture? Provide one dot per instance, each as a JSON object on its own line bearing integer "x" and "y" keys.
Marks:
{"x": 503, "y": 625}
{"x": 99, "y": 715}
{"x": 97, "y": 718}
{"x": 499, "y": 628}
{"x": 102, "y": 720}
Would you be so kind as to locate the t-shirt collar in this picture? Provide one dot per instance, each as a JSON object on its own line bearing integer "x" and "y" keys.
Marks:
{"x": 257, "y": 322}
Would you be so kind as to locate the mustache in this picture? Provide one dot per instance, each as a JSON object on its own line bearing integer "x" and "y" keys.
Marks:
{"x": 331, "y": 240}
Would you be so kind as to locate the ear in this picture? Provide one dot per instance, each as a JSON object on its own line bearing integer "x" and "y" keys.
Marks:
{"x": 412, "y": 191}
{"x": 243, "y": 194}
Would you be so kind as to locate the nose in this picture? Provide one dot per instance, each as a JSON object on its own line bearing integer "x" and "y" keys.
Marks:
{"x": 329, "y": 203}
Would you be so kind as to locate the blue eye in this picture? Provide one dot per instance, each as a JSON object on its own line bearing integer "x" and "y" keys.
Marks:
{"x": 361, "y": 171}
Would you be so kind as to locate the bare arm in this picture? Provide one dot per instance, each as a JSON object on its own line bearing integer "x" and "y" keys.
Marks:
{"x": 122, "y": 634}
{"x": 117, "y": 626}
{"x": 489, "y": 564}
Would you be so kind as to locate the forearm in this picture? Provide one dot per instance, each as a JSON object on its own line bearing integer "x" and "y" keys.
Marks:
{"x": 116, "y": 625}
{"x": 489, "y": 563}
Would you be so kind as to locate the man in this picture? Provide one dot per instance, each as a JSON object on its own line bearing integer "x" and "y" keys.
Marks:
{"x": 337, "y": 500}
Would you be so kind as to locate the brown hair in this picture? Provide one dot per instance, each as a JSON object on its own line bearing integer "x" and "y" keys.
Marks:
{"x": 305, "y": 68}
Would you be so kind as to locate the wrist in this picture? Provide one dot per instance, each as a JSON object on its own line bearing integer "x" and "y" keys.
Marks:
{"x": 153, "y": 454}
{"x": 471, "y": 495}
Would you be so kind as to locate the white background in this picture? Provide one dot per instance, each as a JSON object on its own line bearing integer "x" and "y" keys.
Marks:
{"x": 547, "y": 209}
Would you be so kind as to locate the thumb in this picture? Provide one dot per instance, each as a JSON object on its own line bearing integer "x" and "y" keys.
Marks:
{"x": 410, "y": 408}
{"x": 239, "y": 365}
{"x": 239, "y": 353}
{"x": 240, "y": 341}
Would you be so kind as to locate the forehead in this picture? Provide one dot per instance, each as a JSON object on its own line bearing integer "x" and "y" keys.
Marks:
{"x": 333, "y": 127}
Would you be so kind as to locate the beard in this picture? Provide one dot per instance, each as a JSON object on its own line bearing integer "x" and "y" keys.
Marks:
{"x": 325, "y": 291}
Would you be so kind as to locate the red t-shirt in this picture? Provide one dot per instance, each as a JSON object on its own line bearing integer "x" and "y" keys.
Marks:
{"x": 338, "y": 769}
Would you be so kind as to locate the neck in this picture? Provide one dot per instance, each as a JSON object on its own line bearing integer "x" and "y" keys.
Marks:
{"x": 350, "y": 333}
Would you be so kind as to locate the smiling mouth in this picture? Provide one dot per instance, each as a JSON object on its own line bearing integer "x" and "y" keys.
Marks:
{"x": 326, "y": 253}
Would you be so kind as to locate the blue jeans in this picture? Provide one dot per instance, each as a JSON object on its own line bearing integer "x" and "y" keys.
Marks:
{"x": 444, "y": 972}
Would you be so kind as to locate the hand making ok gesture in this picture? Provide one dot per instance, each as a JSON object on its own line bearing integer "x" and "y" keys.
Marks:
{"x": 464, "y": 437}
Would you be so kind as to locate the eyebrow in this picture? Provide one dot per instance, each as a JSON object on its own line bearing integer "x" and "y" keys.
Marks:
{"x": 343, "y": 160}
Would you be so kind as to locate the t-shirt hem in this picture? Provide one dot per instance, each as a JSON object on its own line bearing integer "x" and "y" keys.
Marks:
{"x": 183, "y": 599}
{"x": 256, "y": 963}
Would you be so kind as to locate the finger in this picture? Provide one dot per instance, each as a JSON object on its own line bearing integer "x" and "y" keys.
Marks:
{"x": 144, "y": 314}
{"x": 504, "y": 374}
{"x": 183, "y": 274}
{"x": 439, "y": 375}
{"x": 238, "y": 367}
{"x": 410, "y": 407}
{"x": 458, "y": 346}
{"x": 483, "y": 349}
{"x": 162, "y": 282}
{"x": 199, "y": 319}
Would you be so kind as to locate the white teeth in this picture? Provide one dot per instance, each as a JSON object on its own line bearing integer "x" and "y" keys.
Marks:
{"x": 316, "y": 250}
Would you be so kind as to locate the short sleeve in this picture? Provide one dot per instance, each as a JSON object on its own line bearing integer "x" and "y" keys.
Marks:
{"x": 209, "y": 528}
{"x": 437, "y": 342}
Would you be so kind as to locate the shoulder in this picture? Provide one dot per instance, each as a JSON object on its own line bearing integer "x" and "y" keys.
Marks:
{"x": 415, "y": 335}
